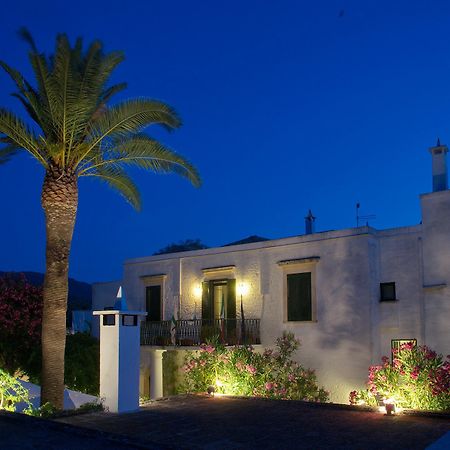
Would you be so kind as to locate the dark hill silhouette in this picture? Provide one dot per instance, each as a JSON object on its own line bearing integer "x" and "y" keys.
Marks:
{"x": 80, "y": 293}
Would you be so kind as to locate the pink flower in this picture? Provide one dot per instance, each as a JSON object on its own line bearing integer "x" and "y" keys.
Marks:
{"x": 209, "y": 349}
{"x": 291, "y": 377}
{"x": 239, "y": 365}
{"x": 268, "y": 386}
{"x": 397, "y": 363}
{"x": 250, "y": 369}
{"x": 407, "y": 346}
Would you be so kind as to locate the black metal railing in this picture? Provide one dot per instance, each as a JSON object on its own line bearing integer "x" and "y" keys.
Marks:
{"x": 194, "y": 332}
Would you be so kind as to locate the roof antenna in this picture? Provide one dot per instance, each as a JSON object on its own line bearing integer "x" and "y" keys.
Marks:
{"x": 363, "y": 218}
{"x": 438, "y": 143}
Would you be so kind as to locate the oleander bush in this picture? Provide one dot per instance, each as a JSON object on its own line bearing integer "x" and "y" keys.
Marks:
{"x": 418, "y": 378}
{"x": 240, "y": 370}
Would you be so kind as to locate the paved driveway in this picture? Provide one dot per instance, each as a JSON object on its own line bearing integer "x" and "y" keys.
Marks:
{"x": 228, "y": 423}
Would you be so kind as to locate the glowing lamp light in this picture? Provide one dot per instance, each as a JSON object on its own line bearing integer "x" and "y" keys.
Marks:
{"x": 219, "y": 383}
{"x": 242, "y": 289}
{"x": 197, "y": 290}
{"x": 389, "y": 405}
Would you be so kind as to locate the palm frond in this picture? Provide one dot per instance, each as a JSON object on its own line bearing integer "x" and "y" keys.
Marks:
{"x": 20, "y": 135}
{"x": 131, "y": 116}
{"x": 120, "y": 181}
{"x": 7, "y": 152}
{"x": 28, "y": 38}
{"x": 92, "y": 94}
{"x": 146, "y": 153}
{"x": 27, "y": 95}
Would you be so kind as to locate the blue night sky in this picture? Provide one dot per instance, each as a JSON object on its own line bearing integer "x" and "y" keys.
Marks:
{"x": 287, "y": 105}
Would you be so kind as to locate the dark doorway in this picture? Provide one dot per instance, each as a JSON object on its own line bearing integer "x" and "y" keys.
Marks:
{"x": 153, "y": 303}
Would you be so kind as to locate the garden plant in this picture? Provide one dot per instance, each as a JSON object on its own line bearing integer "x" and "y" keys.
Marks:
{"x": 240, "y": 370}
{"x": 417, "y": 378}
{"x": 12, "y": 393}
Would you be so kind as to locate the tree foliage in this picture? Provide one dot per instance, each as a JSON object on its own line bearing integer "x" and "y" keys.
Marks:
{"x": 76, "y": 129}
{"x": 182, "y": 246}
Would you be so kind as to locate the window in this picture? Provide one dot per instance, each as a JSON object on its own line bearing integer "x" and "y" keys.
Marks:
{"x": 299, "y": 298}
{"x": 129, "y": 320}
{"x": 387, "y": 292}
{"x": 397, "y": 343}
{"x": 109, "y": 320}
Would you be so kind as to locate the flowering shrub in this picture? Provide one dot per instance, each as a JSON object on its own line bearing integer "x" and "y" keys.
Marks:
{"x": 418, "y": 378}
{"x": 20, "y": 325}
{"x": 242, "y": 371}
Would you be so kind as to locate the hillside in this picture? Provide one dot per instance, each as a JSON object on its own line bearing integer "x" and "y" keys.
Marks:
{"x": 80, "y": 293}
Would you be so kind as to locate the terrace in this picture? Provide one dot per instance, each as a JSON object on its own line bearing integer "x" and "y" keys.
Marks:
{"x": 193, "y": 332}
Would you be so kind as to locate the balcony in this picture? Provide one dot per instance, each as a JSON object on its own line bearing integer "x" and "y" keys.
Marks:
{"x": 195, "y": 332}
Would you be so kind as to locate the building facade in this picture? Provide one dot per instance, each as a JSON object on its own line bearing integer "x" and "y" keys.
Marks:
{"x": 348, "y": 295}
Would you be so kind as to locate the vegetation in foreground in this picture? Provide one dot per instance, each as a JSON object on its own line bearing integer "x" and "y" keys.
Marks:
{"x": 20, "y": 339}
{"x": 418, "y": 378}
{"x": 242, "y": 371}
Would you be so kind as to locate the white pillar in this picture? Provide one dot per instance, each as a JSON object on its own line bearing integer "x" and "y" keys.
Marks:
{"x": 119, "y": 359}
{"x": 156, "y": 373}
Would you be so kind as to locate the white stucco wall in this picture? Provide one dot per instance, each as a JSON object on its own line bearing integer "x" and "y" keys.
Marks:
{"x": 351, "y": 328}
{"x": 436, "y": 271}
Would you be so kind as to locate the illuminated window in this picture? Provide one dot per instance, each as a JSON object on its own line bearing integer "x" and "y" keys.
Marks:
{"x": 387, "y": 292}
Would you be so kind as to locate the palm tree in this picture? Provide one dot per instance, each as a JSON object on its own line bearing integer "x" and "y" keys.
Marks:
{"x": 77, "y": 133}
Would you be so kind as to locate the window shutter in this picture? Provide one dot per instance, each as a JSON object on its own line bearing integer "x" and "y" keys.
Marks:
{"x": 299, "y": 297}
{"x": 231, "y": 300}
{"x": 207, "y": 306}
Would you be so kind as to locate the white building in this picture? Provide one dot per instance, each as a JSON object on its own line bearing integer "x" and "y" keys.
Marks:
{"x": 346, "y": 294}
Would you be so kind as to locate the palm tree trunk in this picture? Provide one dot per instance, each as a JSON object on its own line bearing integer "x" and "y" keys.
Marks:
{"x": 59, "y": 201}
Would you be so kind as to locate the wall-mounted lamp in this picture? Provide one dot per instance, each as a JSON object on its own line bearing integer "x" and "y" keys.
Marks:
{"x": 242, "y": 289}
{"x": 197, "y": 290}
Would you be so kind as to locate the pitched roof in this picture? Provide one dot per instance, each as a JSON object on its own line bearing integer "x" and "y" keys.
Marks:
{"x": 247, "y": 240}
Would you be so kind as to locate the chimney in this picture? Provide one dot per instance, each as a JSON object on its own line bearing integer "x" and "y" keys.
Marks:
{"x": 309, "y": 223}
{"x": 439, "y": 161}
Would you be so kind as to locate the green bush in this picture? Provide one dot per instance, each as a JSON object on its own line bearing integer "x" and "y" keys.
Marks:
{"x": 82, "y": 363}
{"x": 242, "y": 371}
{"x": 418, "y": 378}
{"x": 12, "y": 393}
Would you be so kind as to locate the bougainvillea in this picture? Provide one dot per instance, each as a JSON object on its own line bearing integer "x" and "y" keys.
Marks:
{"x": 20, "y": 339}
{"x": 20, "y": 324}
{"x": 418, "y": 378}
{"x": 242, "y": 371}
